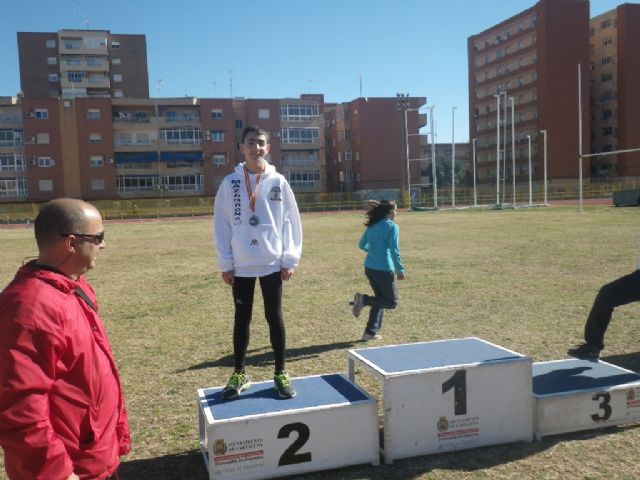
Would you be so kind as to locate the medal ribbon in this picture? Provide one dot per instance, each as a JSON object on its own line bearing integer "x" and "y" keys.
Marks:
{"x": 252, "y": 196}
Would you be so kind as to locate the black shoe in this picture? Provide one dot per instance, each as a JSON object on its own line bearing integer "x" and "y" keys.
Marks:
{"x": 585, "y": 351}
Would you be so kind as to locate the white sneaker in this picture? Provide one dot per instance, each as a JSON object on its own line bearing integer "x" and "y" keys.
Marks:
{"x": 367, "y": 336}
{"x": 357, "y": 304}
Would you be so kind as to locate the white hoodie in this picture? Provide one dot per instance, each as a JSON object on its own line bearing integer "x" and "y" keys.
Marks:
{"x": 275, "y": 242}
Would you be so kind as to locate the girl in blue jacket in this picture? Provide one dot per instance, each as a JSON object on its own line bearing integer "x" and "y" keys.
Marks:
{"x": 381, "y": 266}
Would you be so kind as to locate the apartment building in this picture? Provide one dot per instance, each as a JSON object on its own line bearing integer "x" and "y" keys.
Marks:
{"x": 526, "y": 67}
{"x": 366, "y": 142}
{"x": 615, "y": 100}
{"x": 84, "y": 126}
{"x": 78, "y": 63}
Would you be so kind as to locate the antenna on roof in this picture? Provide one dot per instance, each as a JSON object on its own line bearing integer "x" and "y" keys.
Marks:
{"x": 85, "y": 21}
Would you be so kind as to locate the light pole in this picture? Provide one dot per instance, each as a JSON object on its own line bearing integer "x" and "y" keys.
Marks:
{"x": 530, "y": 186}
{"x": 475, "y": 196}
{"x": 453, "y": 157}
{"x": 513, "y": 150}
{"x": 434, "y": 178}
{"x": 403, "y": 103}
{"x": 497, "y": 148}
{"x": 544, "y": 135}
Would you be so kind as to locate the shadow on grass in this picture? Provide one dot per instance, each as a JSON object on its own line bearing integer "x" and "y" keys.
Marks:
{"x": 179, "y": 466}
{"x": 630, "y": 361}
{"x": 190, "y": 465}
{"x": 264, "y": 356}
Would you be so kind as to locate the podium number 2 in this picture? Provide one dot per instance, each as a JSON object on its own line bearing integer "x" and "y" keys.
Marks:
{"x": 290, "y": 455}
{"x": 604, "y": 398}
{"x": 459, "y": 384}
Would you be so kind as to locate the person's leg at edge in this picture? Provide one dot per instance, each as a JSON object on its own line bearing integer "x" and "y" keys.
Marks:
{"x": 622, "y": 291}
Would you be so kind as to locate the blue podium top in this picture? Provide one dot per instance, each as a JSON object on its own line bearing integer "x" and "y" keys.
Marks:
{"x": 436, "y": 354}
{"x": 261, "y": 398}
{"x": 573, "y": 374}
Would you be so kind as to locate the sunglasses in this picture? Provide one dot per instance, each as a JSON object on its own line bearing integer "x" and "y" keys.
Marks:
{"x": 97, "y": 238}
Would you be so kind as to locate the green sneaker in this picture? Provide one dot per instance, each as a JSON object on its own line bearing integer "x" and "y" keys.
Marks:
{"x": 237, "y": 383}
{"x": 282, "y": 385}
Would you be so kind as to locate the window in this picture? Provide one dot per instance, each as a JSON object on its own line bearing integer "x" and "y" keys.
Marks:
{"x": 116, "y": 61}
{"x": 12, "y": 162}
{"x": 115, "y": 45}
{"x": 216, "y": 113}
{"x": 51, "y": 44}
{"x": 606, "y": 77}
{"x": 263, "y": 114}
{"x": 41, "y": 113}
{"x": 219, "y": 159}
{"x": 607, "y": 60}
{"x": 95, "y": 138}
{"x": 239, "y": 124}
{"x": 606, "y": 131}
{"x": 302, "y": 179}
{"x": 299, "y": 113}
{"x": 72, "y": 61}
{"x": 181, "y": 136}
{"x": 94, "y": 61}
{"x": 607, "y": 41}
{"x": 45, "y": 162}
{"x": 117, "y": 77}
{"x": 96, "y": 161}
{"x": 52, "y": 61}
{"x": 300, "y": 135}
{"x": 75, "y": 77}
{"x": 42, "y": 138}
{"x": 607, "y": 114}
{"x": 45, "y": 185}
{"x": 53, "y": 77}
{"x": 13, "y": 187}
{"x": 118, "y": 94}
{"x": 93, "y": 114}
{"x": 606, "y": 23}
{"x": 217, "y": 135}
{"x": 97, "y": 184}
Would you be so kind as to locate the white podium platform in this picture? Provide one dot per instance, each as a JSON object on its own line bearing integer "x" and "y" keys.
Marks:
{"x": 329, "y": 424}
{"x": 449, "y": 395}
{"x": 571, "y": 395}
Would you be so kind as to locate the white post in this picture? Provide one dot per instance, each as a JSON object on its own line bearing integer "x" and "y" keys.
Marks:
{"x": 544, "y": 134}
{"x": 453, "y": 158}
{"x": 530, "y": 185}
{"x": 513, "y": 150}
{"x": 475, "y": 196}
{"x": 434, "y": 178}
{"x": 504, "y": 148}
{"x": 497, "y": 95}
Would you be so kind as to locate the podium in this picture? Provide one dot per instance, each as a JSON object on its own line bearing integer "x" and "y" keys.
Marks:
{"x": 572, "y": 395}
{"x": 448, "y": 395}
{"x": 329, "y": 424}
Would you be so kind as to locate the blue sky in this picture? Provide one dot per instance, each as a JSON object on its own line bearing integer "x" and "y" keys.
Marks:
{"x": 282, "y": 48}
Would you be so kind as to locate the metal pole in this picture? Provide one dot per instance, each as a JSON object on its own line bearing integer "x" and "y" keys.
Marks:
{"x": 497, "y": 95}
{"x": 544, "y": 134}
{"x": 475, "y": 197}
{"x": 513, "y": 150}
{"x": 530, "y": 185}
{"x": 434, "y": 178}
{"x": 453, "y": 157}
{"x": 580, "y": 134}
{"x": 504, "y": 149}
{"x": 406, "y": 153}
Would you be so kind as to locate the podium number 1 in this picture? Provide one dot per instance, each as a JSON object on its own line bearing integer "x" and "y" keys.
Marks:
{"x": 459, "y": 384}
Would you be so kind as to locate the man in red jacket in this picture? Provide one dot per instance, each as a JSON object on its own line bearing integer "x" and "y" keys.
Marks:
{"x": 62, "y": 412}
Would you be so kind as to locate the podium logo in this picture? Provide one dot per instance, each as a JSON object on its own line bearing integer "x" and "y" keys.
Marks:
{"x": 443, "y": 424}
{"x": 219, "y": 448}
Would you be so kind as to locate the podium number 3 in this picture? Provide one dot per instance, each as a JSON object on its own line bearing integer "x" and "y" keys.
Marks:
{"x": 459, "y": 384}
{"x": 604, "y": 398}
{"x": 290, "y": 455}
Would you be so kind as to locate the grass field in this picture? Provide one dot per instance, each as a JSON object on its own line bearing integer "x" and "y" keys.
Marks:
{"x": 523, "y": 279}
